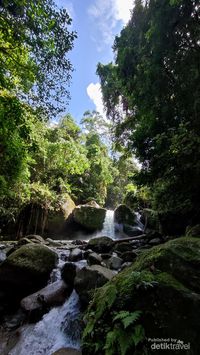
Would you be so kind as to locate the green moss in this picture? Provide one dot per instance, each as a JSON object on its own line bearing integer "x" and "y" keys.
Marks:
{"x": 187, "y": 249}
{"x": 89, "y": 217}
{"x": 161, "y": 284}
{"x": 36, "y": 258}
{"x": 168, "y": 280}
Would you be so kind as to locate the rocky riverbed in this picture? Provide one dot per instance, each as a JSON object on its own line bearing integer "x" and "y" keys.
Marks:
{"x": 47, "y": 285}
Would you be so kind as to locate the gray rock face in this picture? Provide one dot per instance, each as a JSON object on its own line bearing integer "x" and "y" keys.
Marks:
{"x": 89, "y": 217}
{"x": 90, "y": 277}
{"x": 52, "y": 295}
{"x": 101, "y": 244}
{"x": 114, "y": 262}
{"x": 124, "y": 215}
{"x": 75, "y": 255}
{"x": 94, "y": 259}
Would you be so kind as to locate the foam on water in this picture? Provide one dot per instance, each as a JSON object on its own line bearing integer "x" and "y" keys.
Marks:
{"x": 58, "y": 328}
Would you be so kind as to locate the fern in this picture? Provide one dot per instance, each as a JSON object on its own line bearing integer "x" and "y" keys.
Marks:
{"x": 127, "y": 318}
{"x": 111, "y": 340}
{"x": 108, "y": 297}
{"x": 124, "y": 341}
{"x": 138, "y": 334}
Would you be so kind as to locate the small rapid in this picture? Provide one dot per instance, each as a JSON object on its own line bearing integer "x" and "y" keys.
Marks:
{"x": 58, "y": 328}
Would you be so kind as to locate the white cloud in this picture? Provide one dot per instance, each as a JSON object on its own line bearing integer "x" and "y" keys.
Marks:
{"x": 106, "y": 15}
{"x": 123, "y": 8}
{"x": 95, "y": 94}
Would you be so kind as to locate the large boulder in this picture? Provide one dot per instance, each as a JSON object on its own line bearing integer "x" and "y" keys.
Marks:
{"x": 39, "y": 302}
{"x": 89, "y": 217}
{"x": 35, "y": 218}
{"x": 26, "y": 270}
{"x": 164, "y": 285}
{"x": 124, "y": 215}
{"x": 68, "y": 273}
{"x": 90, "y": 278}
{"x": 100, "y": 244}
{"x": 60, "y": 217}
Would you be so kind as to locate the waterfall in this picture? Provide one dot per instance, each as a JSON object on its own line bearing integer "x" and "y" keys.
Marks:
{"x": 138, "y": 221}
{"x": 58, "y": 329}
{"x": 109, "y": 225}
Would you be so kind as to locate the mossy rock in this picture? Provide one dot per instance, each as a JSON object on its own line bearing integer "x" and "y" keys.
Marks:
{"x": 89, "y": 217}
{"x": 124, "y": 215}
{"x": 179, "y": 257}
{"x": 155, "y": 285}
{"x": 26, "y": 270}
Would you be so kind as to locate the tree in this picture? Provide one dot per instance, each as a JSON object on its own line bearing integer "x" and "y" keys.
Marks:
{"x": 34, "y": 43}
{"x": 157, "y": 80}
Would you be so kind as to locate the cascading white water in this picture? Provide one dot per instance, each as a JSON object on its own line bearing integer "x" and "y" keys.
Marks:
{"x": 109, "y": 225}
{"x": 58, "y": 328}
{"x": 138, "y": 221}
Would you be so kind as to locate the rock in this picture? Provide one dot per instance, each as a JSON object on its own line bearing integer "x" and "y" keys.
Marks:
{"x": 154, "y": 241}
{"x": 124, "y": 215}
{"x": 92, "y": 203}
{"x": 126, "y": 264}
{"x": 67, "y": 351}
{"x": 26, "y": 270}
{"x": 39, "y": 302}
{"x": 123, "y": 247}
{"x": 193, "y": 231}
{"x": 68, "y": 273}
{"x": 114, "y": 262}
{"x": 132, "y": 231}
{"x": 89, "y": 278}
{"x": 106, "y": 256}
{"x": 89, "y": 217}
{"x": 58, "y": 219}
{"x": 35, "y": 238}
{"x": 75, "y": 254}
{"x": 34, "y": 218}
{"x": 164, "y": 284}
{"x": 94, "y": 259}
{"x": 100, "y": 244}
{"x": 53, "y": 243}
{"x": 129, "y": 256}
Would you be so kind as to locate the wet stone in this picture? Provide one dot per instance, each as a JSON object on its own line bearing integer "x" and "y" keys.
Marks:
{"x": 94, "y": 259}
{"x": 76, "y": 254}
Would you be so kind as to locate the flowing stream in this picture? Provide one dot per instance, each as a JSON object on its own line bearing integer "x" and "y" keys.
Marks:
{"x": 59, "y": 328}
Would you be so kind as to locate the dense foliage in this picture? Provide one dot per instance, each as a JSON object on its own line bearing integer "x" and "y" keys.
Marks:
{"x": 152, "y": 94}
{"x": 34, "y": 43}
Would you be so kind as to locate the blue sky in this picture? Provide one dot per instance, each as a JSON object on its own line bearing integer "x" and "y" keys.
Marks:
{"x": 96, "y": 22}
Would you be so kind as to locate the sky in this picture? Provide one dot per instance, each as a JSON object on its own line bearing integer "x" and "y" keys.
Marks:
{"x": 96, "y": 23}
